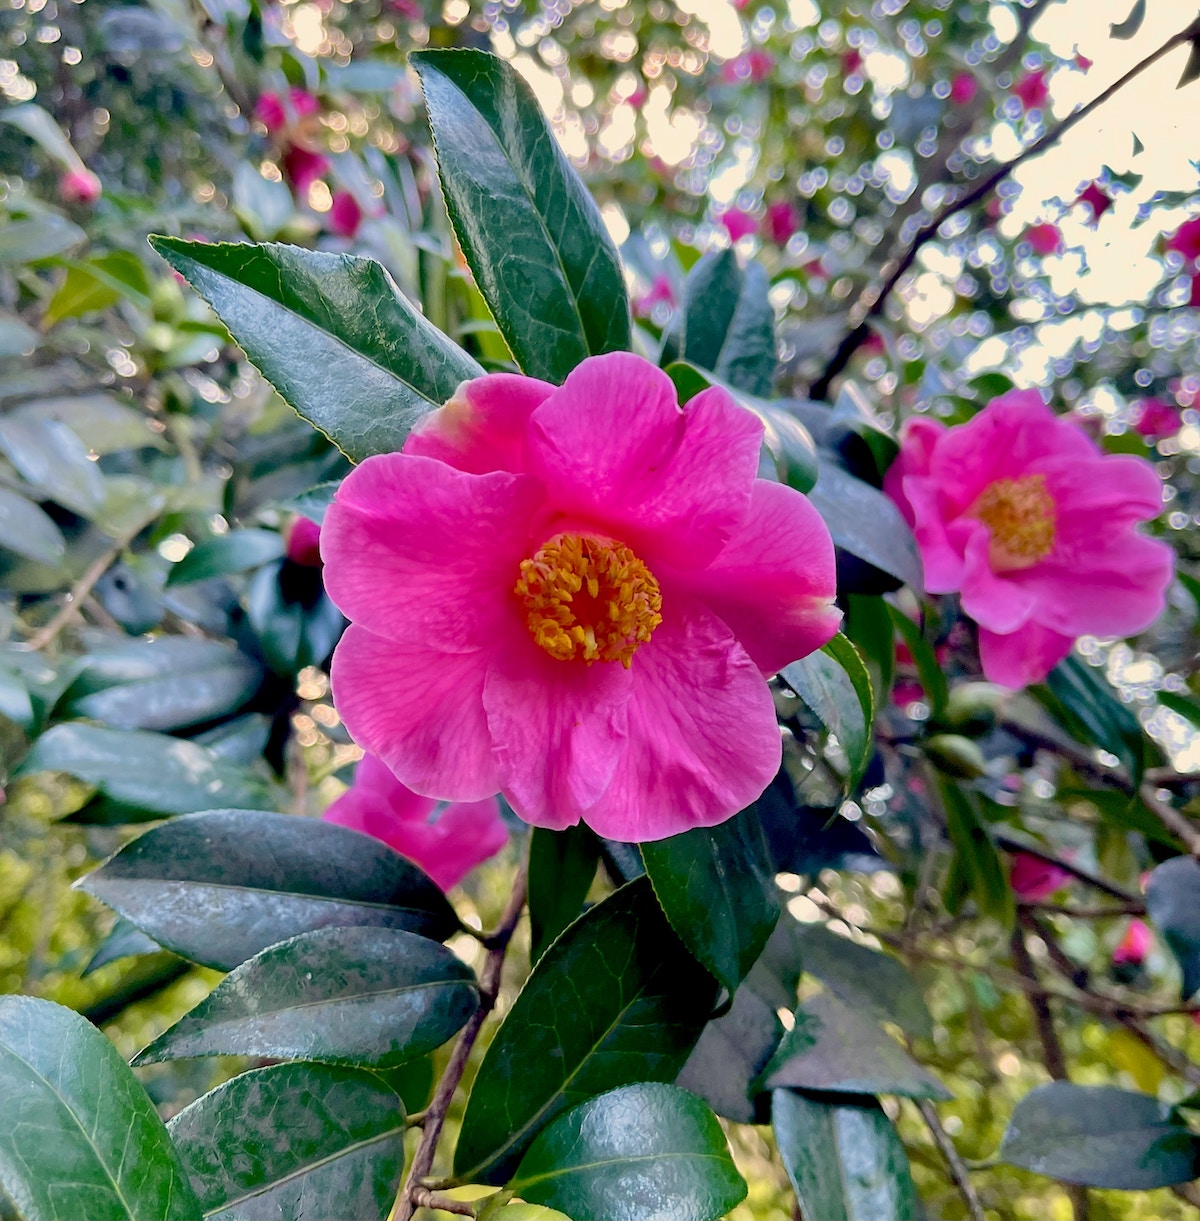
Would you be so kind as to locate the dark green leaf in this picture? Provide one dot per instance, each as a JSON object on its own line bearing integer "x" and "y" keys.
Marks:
{"x": 933, "y": 680}
{"x": 218, "y": 887}
{"x": 642, "y": 1153}
{"x": 867, "y": 980}
{"x": 169, "y": 683}
{"x": 294, "y": 1141}
{"x": 976, "y": 853}
{"x": 38, "y": 124}
{"x": 562, "y": 865}
{"x": 125, "y": 941}
{"x": 1173, "y": 903}
{"x": 833, "y": 1048}
{"x": 332, "y": 333}
{"x": 531, "y": 233}
{"x": 50, "y": 457}
{"x": 804, "y": 840}
{"x": 864, "y": 522}
{"x": 844, "y": 1159}
{"x": 237, "y": 551}
{"x": 26, "y": 530}
{"x": 296, "y": 621}
{"x": 1187, "y": 708}
{"x": 1100, "y": 1136}
{"x": 103, "y": 423}
{"x": 314, "y": 503}
{"x": 717, "y": 887}
{"x": 146, "y": 775}
{"x": 615, "y": 999}
{"x": 1130, "y": 26}
{"x": 834, "y": 683}
{"x": 79, "y": 1136}
{"x": 868, "y": 624}
{"x": 373, "y": 997}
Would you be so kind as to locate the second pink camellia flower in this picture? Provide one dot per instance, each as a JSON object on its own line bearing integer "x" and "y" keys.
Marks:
{"x": 571, "y": 595}
{"x": 1021, "y": 513}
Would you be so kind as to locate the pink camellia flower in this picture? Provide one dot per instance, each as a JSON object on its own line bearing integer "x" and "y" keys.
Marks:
{"x": 1020, "y": 512}
{"x": 302, "y": 167}
{"x": 1134, "y": 946}
{"x": 1096, "y": 198}
{"x": 754, "y": 65}
{"x": 572, "y": 595}
{"x": 304, "y": 543}
{"x": 782, "y": 220}
{"x": 1032, "y": 878}
{"x": 1186, "y": 239}
{"x": 1033, "y": 89}
{"x": 345, "y": 215}
{"x": 739, "y": 224}
{"x": 1157, "y": 418}
{"x": 79, "y": 185}
{"x": 275, "y": 112}
{"x": 660, "y": 292}
{"x": 963, "y": 88}
{"x": 446, "y": 843}
{"x": 1045, "y": 238}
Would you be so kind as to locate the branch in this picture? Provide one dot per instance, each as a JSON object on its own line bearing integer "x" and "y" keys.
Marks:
{"x": 958, "y": 1171}
{"x": 1174, "y": 820}
{"x": 872, "y": 300}
{"x": 413, "y": 1193}
{"x": 1010, "y": 844}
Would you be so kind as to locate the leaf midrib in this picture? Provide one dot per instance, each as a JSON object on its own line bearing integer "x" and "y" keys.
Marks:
{"x": 625, "y": 1159}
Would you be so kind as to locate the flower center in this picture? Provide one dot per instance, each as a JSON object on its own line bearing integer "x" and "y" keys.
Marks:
{"x": 590, "y": 598}
{"x": 1020, "y": 515}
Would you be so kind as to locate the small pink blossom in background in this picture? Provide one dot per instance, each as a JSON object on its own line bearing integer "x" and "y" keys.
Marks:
{"x": 275, "y": 113}
{"x": 1157, "y": 418}
{"x": 738, "y": 224}
{"x": 1044, "y": 238}
{"x": 447, "y": 844}
{"x": 873, "y": 345}
{"x": 304, "y": 543}
{"x": 1096, "y": 198}
{"x": 79, "y": 186}
{"x": 345, "y": 215}
{"x": 1033, "y": 89}
{"x": 782, "y": 220}
{"x": 1186, "y": 239}
{"x": 1022, "y": 514}
{"x": 302, "y": 167}
{"x": 754, "y": 65}
{"x": 852, "y": 61}
{"x": 1032, "y": 878}
{"x": 573, "y": 595}
{"x": 1194, "y": 291}
{"x": 963, "y": 88}
{"x": 659, "y": 292}
{"x": 1082, "y": 62}
{"x": 407, "y": 8}
{"x": 1134, "y": 946}
{"x": 637, "y": 99}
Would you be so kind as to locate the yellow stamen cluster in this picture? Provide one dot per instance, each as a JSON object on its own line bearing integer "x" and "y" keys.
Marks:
{"x": 590, "y": 598}
{"x": 1021, "y": 516}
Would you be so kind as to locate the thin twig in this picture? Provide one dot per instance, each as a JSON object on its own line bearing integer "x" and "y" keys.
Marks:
{"x": 958, "y": 1171}
{"x": 1174, "y": 820}
{"x": 435, "y": 1114}
{"x": 872, "y": 300}
{"x": 424, "y": 1198}
{"x": 1107, "y": 911}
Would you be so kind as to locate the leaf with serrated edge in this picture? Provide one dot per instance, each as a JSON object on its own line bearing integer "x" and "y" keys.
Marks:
{"x": 79, "y": 1136}
{"x": 371, "y": 997}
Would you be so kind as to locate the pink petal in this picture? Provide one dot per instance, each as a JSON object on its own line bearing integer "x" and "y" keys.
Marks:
{"x": 1107, "y": 492}
{"x": 420, "y": 711}
{"x": 1022, "y": 657}
{"x": 422, "y": 553}
{"x": 774, "y": 583}
{"x": 482, "y": 428}
{"x": 614, "y": 447}
{"x": 557, "y": 728}
{"x": 703, "y": 740}
{"x": 993, "y": 600}
{"x": 446, "y": 844}
{"x": 919, "y": 499}
{"x": 1032, "y": 878}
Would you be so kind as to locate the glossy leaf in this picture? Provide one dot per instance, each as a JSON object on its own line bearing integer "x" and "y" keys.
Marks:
{"x": 296, "y": 622}
{"x": 1100, "y": 1136}
{"x": 929, "y": 670}
{"x": 165, "y": 684}
{"x": 615, "y": 999}
{"x": 237, "y": 551}
{"x": 124, "y": 941}
{"x": 864, "y": 522}
{"x": 867, "y": 980}
{"x": 332, "y": 333}
{"x": 532, "y": 235}
{"x": 1173, "y": 903}
{"x": 79, "y": 1136}
{"x": 976, "y": 854}
{"x": 834, "y": 683}
{"x": 26, "y": 529}
{"x": 145, "y": 775}
{"x": 562, "y": 865}
{"x": 371, "y": 997}
{"x": 832, "y": 1047}
{"x": 1129, "y": 27}
{"x": 218, "y": 887}
{"x": 50, "y": 457}
{"x": 844, "y": 1159}
{"x": 804, "y": 840}
{"x": 102, "y": 422}
{"x": 717, "y": 887}
{"x": 294, "y": 1141}
{"x": 645, "y": 1152}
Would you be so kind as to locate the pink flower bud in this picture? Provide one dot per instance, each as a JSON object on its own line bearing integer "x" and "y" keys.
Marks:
{"x": 1095, "y": 197}
{"x": 79, "y": 186}
{"x": 739, "y": 224}
{"x": 1032, "y": 878}
{"x": 1134, "y": 946}
{"x": 303, "y": 543}
{"x": 1032, "y": 89}
{"x": 1186, "y": 239}
{"x": 1045, "y": 238}
{"x": 963, "y": 88}
{"x": 1156, "y": 418}
{"x": 782, "y": 220}
{"x": 345, "y": 216}
{"x": 1082, "y": 62}
{"x": 660, "y": 292}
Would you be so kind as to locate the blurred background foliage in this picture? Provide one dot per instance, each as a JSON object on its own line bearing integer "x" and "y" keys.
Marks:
{"x": 163, "y": 638}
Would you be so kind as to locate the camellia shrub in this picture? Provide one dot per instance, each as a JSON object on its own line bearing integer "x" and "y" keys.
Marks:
{"x": 575, "y": 725}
